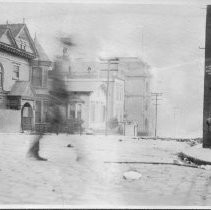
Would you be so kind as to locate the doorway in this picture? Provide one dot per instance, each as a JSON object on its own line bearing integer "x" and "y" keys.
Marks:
{"x": 26, "y": 117}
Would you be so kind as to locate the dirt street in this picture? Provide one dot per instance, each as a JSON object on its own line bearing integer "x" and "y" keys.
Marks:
{"x": 86, "y": 174}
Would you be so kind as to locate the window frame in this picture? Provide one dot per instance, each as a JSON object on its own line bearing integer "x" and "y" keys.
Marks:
{"x": 1, "y": 76}
{"x": 38, "y": 111}
{"x": 39, "y": 82}
{"x": 92, "y": 112}
{"x": 72, "y": 109}
{"x": 16, "y": 71}
{"x": 77, "y": 111}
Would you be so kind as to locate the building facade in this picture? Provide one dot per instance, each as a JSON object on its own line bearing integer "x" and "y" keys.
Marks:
{"x": 86, "y": 99}
{"x": 108, "y": 91}
{"x": 137, "y": 93}
{"x": 19, "y": 63}
{"x": 97, "y": 91}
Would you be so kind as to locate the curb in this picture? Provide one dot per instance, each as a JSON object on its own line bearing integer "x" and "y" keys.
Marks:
{"x": 196, "y": 161}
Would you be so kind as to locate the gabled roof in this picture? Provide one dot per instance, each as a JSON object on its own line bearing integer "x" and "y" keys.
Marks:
{"x": 22, "y": 88}
{"x": 14, "y": 30}
{"x": 31, "y": 42}
{"x": 2, "y": 30}
{"x": 42, "y": 56}
{"x": 6, "y": 30}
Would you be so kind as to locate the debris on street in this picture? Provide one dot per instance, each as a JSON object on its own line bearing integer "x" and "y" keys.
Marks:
{"x": 132, "y": 175}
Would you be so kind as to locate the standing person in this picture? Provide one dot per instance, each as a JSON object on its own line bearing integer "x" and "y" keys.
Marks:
{"x": 33, "y": 151}
{"x": 59, "y": 93}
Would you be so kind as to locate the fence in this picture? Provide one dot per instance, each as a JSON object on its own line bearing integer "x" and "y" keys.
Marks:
{"x": 70, "y": 126}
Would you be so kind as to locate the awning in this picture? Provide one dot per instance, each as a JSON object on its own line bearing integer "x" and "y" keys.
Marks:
{"x": 23, "y": 89}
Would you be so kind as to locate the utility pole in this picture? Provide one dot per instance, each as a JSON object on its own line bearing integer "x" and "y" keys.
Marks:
{"x": 109, "y": 62}
{"x": 207, "y": 84}
{"x": 156, "y": 95}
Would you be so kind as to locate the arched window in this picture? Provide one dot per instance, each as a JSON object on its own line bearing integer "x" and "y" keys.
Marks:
{"x": 1, "y": 76}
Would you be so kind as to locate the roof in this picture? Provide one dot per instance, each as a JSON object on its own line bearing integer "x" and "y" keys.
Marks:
{"x": 135, "y": 68}
{"x": 75, "y": 85}
{"x": 22, "y": 88}
{"x": 42, "y": 56}
{"x": 2, "y": 30}
{"x": 75, "y": 99}
{"x": 15, "y": 28}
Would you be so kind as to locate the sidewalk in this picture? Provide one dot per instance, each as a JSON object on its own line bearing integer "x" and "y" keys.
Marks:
{"x": 197, "y": 154}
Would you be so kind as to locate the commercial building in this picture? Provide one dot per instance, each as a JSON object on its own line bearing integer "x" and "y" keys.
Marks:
{"x": 137, "y": 93}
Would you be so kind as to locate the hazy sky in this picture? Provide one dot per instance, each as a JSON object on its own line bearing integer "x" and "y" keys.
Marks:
{"x": 167, "y": 34}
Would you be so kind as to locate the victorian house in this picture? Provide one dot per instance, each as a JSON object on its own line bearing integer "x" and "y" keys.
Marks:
{"x": 23, "y": 79}
{"x": 86, "y": 98}
{"x": 86, "y": 82}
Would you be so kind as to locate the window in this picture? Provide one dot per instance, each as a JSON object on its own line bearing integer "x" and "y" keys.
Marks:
{"x": 120, "y": 94}
{"x": 75, "y": 111}
{"x": 1, "y": 76}
{"x": 37, "y": 77}
{"x": 16, "y": 69}
{"x": 117, "y": 93}
{"x": 45, "y": 111}
{"x": 23, "y": 46}
{"x": 38, "y": 112}
{"x": 79, "y": 108}
{"x": 104, "y": 113}
{"x": 72, "y": 111}
{"x": 92, "y": 112}
{"x": 45, "y": 78}
{"x": 101, "y": 112}
{"x": 14, "y": 103}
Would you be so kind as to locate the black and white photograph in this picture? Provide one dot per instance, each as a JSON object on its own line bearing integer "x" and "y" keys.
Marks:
{"x": 105, "y": 104}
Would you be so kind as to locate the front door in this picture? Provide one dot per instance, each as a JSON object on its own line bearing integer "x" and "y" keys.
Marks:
{"x": 26, "y": 117}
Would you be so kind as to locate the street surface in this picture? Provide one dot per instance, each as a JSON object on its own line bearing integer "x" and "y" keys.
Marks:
{"x": 81, "y": 175}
